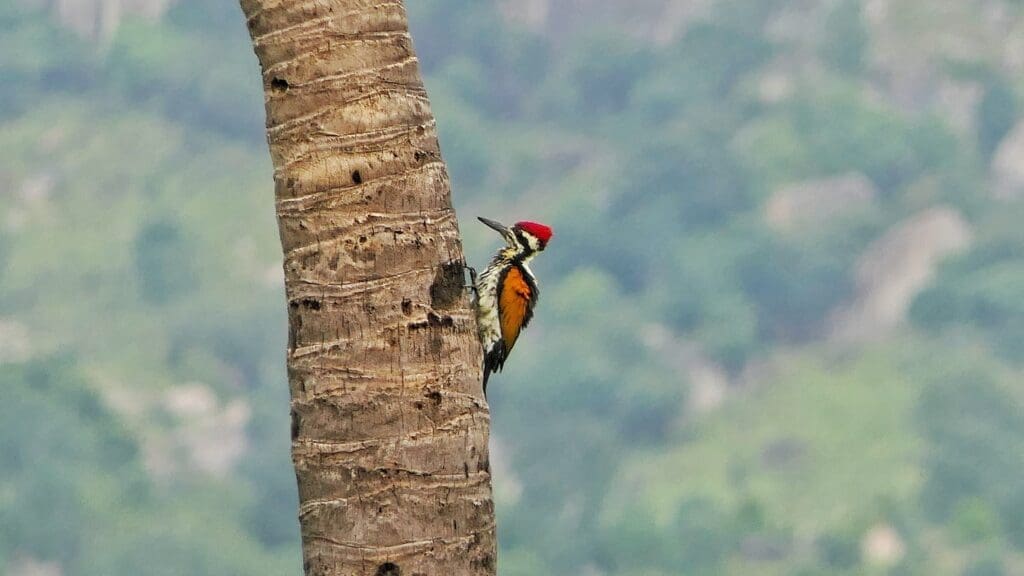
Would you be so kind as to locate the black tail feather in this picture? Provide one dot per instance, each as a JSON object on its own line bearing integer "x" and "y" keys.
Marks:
{"x": 494, "y": 359}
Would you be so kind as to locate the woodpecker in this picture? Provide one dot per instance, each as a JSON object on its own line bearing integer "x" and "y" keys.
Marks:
{"x": 506, "y": 291}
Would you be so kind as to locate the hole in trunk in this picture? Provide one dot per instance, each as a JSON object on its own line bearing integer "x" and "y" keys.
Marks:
{"x": 279, "y": 85}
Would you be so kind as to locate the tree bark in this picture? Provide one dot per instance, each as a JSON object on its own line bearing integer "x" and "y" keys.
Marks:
{"x": 389, "y": 424}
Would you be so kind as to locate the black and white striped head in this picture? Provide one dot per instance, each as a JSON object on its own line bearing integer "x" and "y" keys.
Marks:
{"x": 525, "y": 237}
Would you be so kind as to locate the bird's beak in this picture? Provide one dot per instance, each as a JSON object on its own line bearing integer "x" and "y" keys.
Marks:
{"x": 495, "y": 225}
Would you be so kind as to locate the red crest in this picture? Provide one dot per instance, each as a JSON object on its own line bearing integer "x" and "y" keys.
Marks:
{"x": 542, "y": 232}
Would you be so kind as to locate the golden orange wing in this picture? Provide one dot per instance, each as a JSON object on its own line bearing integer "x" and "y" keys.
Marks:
{"x": 513, "y": 306}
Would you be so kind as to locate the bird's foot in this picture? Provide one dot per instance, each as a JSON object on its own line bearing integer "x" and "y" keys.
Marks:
{"x": 472, "y": 278}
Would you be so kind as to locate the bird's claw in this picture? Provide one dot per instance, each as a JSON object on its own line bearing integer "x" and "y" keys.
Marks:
{"x": 472, "y": 278}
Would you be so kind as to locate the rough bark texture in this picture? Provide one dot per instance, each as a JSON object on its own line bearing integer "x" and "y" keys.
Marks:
{"x": 389, "y": 425}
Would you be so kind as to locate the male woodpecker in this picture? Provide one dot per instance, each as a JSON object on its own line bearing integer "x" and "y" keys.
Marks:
{"x": 507, "y": 291}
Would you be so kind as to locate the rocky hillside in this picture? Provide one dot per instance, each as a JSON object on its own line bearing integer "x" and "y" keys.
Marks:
{"x": 781, "y": 329}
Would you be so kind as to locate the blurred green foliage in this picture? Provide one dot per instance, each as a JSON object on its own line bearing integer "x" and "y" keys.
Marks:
{"x": 138, "y": 240}
{"x": 974, "y": 425}
{"x": 163, "y": 263}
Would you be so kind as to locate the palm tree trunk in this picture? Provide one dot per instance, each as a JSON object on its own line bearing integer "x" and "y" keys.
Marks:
{"x": 389, "y": 425}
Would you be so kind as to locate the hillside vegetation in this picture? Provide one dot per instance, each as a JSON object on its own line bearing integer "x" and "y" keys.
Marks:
{"x": 782, "y": 320}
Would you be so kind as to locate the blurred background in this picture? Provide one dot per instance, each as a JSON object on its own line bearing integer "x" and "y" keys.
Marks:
{"x": 783, "y": 314}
